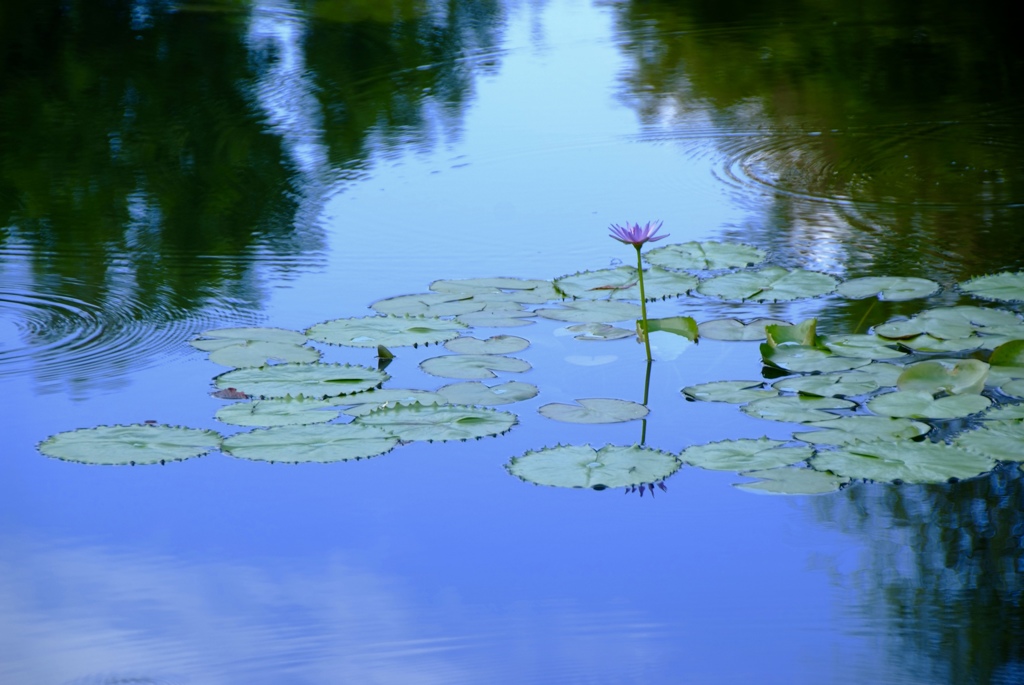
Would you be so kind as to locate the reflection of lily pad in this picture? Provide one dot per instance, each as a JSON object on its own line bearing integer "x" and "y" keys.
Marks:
{"x": 909, "y": 462}
{"x": 473, "y": 366}
{"x": 439, "y": 421}
{"x": 848, "y": 429}
{"x": 260, "y": 353}
{"x": 792, "y": 481}
{"x": 1005, "y": 287}
{"x": 594, "y": 410}
{"x": 282, "y": 412}
{"x": 705, "y": 256}
{"x": 306, "y": 380}
{"x": 733, "y": 392}
{"x": 1002, "y": 440}
{"x": 475, "y": 392}
{"x": 592, "y": 311}
{"x": 734, "y": 329}
{"x": 390, "y": 331}
{"x": 921, "y": 405}
{"x": 796, "y": 409}
{"x": 745, "y": 454}
{"x": 770, "y": 284}
{"x": 893, "y": 288}
{"x": 322, "y": 443}
{"x": 581, "y": 466}
{"x": 496, "y": 344}
{"x": 135, "y": 445}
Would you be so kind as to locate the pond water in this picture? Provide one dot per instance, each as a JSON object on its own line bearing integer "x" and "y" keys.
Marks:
{"x": 171, "y": 168}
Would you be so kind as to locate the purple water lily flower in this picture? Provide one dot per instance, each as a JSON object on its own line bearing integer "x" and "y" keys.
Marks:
{"x": 635, "y": 234}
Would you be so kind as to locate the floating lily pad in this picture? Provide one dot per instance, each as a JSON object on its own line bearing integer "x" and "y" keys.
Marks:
{"x": 260, "y": 353}
{"x": 136, "y": 444}
{"x": 441, "y": 422}
{"x": 474, "y": 392}
{"x": 770, "y": 284}
{"x": 473, "y": 366}
{"x": 929, "y": 343}
{"x": 599, "y": 331}
{"x": 882, "y": 373}
{"x": 390, "y": 331}
{"x": 909, "y": 462}
{"x": 921, "y": 405}
{"x": 428, "y": 304}
{"x": 1004, "y": 412}
{"x": 845, "y": 430}
{"x": 736, "y": 330}
{"x": 792, "y": 481}
{"x": 222, "y": 337}
{"x": 497, "y": 344}
{"x": 797, "y": 409}
{"x": 804, "y": 359}
{"x": 953, "y": 323}
{"x": 592, "y": 311}
{"x": 893, "y": 288}
{"x": 1010, "y": 353}
{"x": 281, "y": 412}
{"x": 305, "y": 444}
{"x": 594, "y": 410}
{"x": 683, "y": 326}
{"x": 1002, "y": 440}
{"x": 849, "y": 384}
{"x": 733, "y": 392}
{"x": 365, "y": 402}
{"x": 803, "y": 333}
{"x": 306, "y": 380}
{"x": 1004, "y": 287}
{"x": 474, "y": 286}
{"x": 496, "y": 319}
{"x": 622, "y": 283}
{"x": 860, "y": 346}
{"x": 745, "y": 454}
{"x": 582, "y": 466}
{"x": 704, "y": 256}
{"x": 954, "y": 376}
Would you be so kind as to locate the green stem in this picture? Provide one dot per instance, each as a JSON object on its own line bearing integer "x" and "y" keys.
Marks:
{"x": 647, "y": 390}
{"x": 643, "y": 302}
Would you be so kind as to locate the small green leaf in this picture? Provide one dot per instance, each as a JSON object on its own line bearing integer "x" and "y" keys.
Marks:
{"x": 803, "y": 333}
{"x": 678, "y": 325}
{"x": 745, "y": 454}
{"x": 1008, "y": 354}
{"x": 136, "y": 444}
{"x": 581, "y": 466}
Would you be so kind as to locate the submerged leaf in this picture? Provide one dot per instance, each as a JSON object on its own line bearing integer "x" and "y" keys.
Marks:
{"x": 439, "y": 422}
{"x": 135, "y": 444}
{"x": 909, "y": 462}
{"x": 705, "y": 256}
{"x": 595, "y": 410}
{"x": 581, "y": 466}
{"x": 321, "y": 443}
{"x": 391, "y": 331}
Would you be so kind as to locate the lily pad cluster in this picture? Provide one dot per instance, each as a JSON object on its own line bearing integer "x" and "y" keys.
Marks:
{"x": 925, "y": 398}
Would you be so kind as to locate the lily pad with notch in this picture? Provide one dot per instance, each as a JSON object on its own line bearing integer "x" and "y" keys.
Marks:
{"x": 305, "y": 380}
{"x": 598, "y": 331}
{"x": 476, "y": 393}
{"x": 288, "y": 411}
{"x": 705, "y": 256}
{"x": 390, "y": 331}
{"x": 592, "y": 311}
{"x": 222, "y": 337}
{"x": 737, "y": 330}
{"x": 582, "y": 466}
{"x": 594, "y": 410}
{"x": 744, "y": 454}
{"x": 769, "y": 284}
{"x": 891, "y": 288}
{"x": 320, "y": 443}
{"x": 792, "y": 481}
{"x": 903, "y": 461}
{"x": 922, "y": 405}
{"x": 796, "y": 409}
{"x": 622, "y": 283}
{"x": 261, "y": 353}
{"x": 134, "y": 445}
{"x": 845, "y": 430}
{"x": 496, "y": 344}
{"x": 439, "y": 422}
{"x": 733, "y": 392}
{"x": 473, "y": 366}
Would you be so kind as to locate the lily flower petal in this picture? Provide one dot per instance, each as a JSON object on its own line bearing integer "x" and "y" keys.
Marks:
{"x": 635, "y": 234}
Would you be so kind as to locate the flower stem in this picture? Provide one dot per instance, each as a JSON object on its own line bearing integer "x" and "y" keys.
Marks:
{"x": 643, "y": 302}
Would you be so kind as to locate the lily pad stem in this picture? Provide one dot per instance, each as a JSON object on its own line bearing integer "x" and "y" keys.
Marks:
{"x": 643, "y": 302}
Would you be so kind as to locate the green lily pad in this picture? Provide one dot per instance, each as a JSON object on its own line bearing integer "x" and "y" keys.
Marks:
{"x": 803, "y": 333}
{"x": 1008, "y": 354}
{"x": 792, "y": 481}
{"x": 390, "y": 331}
{"x": 1004, "y": 287}
{"x": 582, "y": 466}
{"x": 921, "y": 405}
{"x": 954, "y": 376}
{"x": 929, "y": 343}
{"x": 1004, "y": 412}
{"x": 849, "y": 384}
{"x": 770, "y": 284}
{"x": 705, "y": 256}
{"x": 428, "y": 305}
{"x": 622, "y": 283}
{"x": 796, "y": 409}
{"x": 953, "y": 323}
{"x": 737, "y": 330}
{"x": 595, "y": 410}
{"x": 260, "y": 353}
{"x": 134, "y": 445}
{"x": 475, "y": 392}
{"x": 440, "y": 422}
{"x": 845, "y": 430}
{"x": 322, "y": 443}
{"x": 496, "y": 319}
{"x": 905, "y": 461}
{"x": 892, "y": 288}
{"x": 733, "y": 392}
{"x": 473, "y": 366}
{"x": 744, "y": 454}
{"x": 683, "y": 326}
{"x": 282, "y": 412}
{"x": 997, "y": 439}
{"x": 592, "y": 311}
{"x": 599, "y": 331}
{"x": 804, "y": 359}
{"x": 860, "y": 346}
{"x": 366, "y": 402}
{"x": 882, "y": 373}
{"x": 496, "y": 344}
{"x": 222, "y": 337}
{"x": 305, "y": 380}
{"x": 519, "y": 286}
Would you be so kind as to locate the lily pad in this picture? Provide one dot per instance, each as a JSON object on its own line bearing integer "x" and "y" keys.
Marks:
{"x": 323, "y": 443}
{"x": 1004, "y": 412}
{"x": 365, "y": 402}
{"x": 921, "y": 405}
{"x": 599, "y": 331}
{"x": 744, "y": 454}
{"x": 306, "y": 380}
{"x": 804, "y": 359}
{"x": 390, "y": 331}
{"x": 849, "y": 384}
{"x": 428, "y": 304}
{"x": 473, "y": 366}
{"x": 954, "y": 376}
{"x": 803, "y": 333}
{"x": 222, "y": 337}
{"x": 860, "y": 346}
{"x": 845, "y": 430}
{"x": 705, "y": 256}
{"x": 260, "y": 353}
{"x": 582, "y": 466}
{"x": 594, "y": 410}
{"x": 792, "y": 481}
{"x": 733, "y": 392}
{"x": 908, "y": 462}
{"x": 282, "y": 412}
{"x": 474, "y": 392}
{"x": 441, "y": 422}
{"x": 683, "y": 326}
{"x": 737, "y": 330}
{"x": 496, "y": 319}
{"x": 797, "y": 409}
{"x": 592, "y": 311}
{"x": 1002, "y": 440}
{"x": 770, "y": 284}
{"x": 1004, "y": 287}
{"x": 1008, "y": 354}
{"x": 622, "y": 283}
{"x": 892, "y": 288}
{"x": 136, "y": 444}
{"x": 475, "y": 286}
{"x": 497, "y": 344}
{"x": 882, "y": 373}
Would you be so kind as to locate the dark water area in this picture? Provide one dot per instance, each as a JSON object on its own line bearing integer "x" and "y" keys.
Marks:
{"x": 169, "y": 168}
